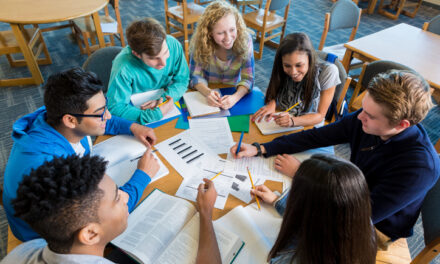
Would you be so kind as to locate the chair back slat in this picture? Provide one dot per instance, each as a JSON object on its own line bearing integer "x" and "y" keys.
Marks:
{"x": 344, "y": 14}
{"x": 381, "y": 66}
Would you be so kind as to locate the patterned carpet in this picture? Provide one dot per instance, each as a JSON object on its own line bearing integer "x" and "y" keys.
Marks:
{"x": 304, "y": 15}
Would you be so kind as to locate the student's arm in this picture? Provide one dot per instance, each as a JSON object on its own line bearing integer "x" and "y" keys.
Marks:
{"x": 147, "y": 165}
{"x": 119, "y": 96}
{"x": 309, "y": 119}
{"x": 179, "y": 71}
{"x": 208, "y": 251}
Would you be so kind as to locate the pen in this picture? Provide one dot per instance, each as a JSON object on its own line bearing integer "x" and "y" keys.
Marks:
{"x": 196, "y": 157}
{"x": 216, "y": 175}
{"x": 162, "y": 103}
{"x": 253, "y": 187}
{"x": 239, "y": 143}
{"x": 288, "y": 109}
{"x": 133, "y": 159}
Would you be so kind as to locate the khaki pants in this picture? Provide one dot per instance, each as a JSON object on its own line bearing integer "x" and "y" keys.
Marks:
{"x": 383, "y": 241}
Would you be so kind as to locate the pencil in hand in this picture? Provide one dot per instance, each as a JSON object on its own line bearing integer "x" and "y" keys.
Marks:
{"x": 216, "y": 175}
{"x": 253, "y": 187}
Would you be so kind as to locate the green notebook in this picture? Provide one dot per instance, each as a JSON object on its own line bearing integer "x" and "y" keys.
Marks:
{"x": 239, "y": 123}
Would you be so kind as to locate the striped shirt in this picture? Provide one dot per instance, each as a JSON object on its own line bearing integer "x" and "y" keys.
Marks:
{"x": 235, "y": 71}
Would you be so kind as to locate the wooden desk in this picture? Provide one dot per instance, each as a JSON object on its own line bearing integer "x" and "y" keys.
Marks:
{"x": 21, "y": 12}
{"x": 170, "y": 183}
{"x": 403, "y": 43}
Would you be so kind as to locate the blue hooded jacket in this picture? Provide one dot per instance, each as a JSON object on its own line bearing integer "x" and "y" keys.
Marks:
{"x": 35, "y": 142}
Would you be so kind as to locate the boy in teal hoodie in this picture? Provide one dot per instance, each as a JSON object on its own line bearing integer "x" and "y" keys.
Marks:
{"x": 152, "y": 61}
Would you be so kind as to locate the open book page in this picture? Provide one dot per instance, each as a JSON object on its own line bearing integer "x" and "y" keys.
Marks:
{"x": 214, "y": 132}
{"x": 183, "y": 249}
{"x": 122, "y": 161}
{"x": 270, "y": 127}
{"x": 153, "y": 225}
{"x": 258, "y": 230}
{"x": 197, "y": 104}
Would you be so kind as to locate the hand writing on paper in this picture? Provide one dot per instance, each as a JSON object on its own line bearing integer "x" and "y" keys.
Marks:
{"x": 263, "y": 192}
{"x": 213, "y": 97}
{"x": 166, "y": 107}
{"x": 282, "y": 119}
{"x": 246, "y": 150}
{"x": 144, "y": 134}
{"x": 286, "y": 164}
{"x": 206, "y": 197}
{"x": 148, "y": 164}
{"x": 151, "y": 104}
{"x": 264, "y": 111}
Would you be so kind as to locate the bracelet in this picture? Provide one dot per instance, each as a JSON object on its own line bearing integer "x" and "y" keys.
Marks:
{"x": 257, "y": 145}
{"x": 293, "y": 122}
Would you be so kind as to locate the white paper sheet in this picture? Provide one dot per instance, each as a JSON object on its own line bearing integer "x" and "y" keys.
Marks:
{"x": 270, "y": 127}
{"x": 120, "y": 151}
{"x": 140, "y": 98}
{"x": 214, "y": 132}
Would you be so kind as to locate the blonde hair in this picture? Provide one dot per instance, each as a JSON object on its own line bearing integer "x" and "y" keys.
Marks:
{"x": 403, "y": 94}
{"x": 202, "y": 45}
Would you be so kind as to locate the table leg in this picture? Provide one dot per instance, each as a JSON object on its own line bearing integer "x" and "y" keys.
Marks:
{"x": 98, "y": 28}
{"x": 27, "y": 53}
{"x": 347, "y": 59}
{"x": 371, "y": 6}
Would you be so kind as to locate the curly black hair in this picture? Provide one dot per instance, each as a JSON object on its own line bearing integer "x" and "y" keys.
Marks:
{"x": 60, "y": 197}
{"x": 68, "y": 92}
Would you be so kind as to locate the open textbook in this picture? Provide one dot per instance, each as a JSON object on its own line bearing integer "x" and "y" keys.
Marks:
{"x": 257, "y": 228}
{"x": 270, "y": 127}
{"x": 165, "y": 229}
{"x": 197, "y": 105}
{"x": 122, "y": 160}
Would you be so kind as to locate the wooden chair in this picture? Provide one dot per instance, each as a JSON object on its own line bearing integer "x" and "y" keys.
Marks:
{"x": 247, "y": 3}
{"x": 433, "y": 25}
{"x": 266, "y": 21}
{"x": 369, "y": 70}
{"x": 35, "y": 41}
{"x": 341, "y": 89}
{"x": 186, "y": 14}
{"x": 200, "y": 2}
{"x": 398, "y": 6}
{"x": 343, "y": 14}
{"x": 84, "y": 29}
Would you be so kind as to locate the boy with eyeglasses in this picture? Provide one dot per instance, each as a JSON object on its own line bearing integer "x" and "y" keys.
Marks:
{"x": 75, "y": 109}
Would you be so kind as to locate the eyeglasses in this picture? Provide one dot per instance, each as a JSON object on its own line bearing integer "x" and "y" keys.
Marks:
{"x": 85, "y": 115}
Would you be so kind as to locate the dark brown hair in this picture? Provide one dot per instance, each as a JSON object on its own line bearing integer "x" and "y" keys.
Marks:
{"x": 146, "y": 36}
{"x": 291, "y": 43}
{"x": 328, "y": 214}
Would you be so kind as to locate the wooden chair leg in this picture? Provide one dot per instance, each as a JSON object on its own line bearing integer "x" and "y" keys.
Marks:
{"x": 186, "y": 41}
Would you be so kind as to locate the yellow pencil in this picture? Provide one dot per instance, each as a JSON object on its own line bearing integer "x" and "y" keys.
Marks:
{"x": 216, "y": 175}
{"x": 288, "y": 109}
{"x": 253, "y": 187}
{"x": 162, "y": 103}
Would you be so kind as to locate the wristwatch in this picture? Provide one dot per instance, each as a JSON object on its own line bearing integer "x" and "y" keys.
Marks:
{"x": 257, "y": 145}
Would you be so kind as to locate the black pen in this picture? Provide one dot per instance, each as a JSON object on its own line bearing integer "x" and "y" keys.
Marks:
{"x": 174, "y": 142}
{"x": 192, "y": 152}
{"x": 196, "y": 157}
{"x": 133, "y": 159}
{"x": 184, "y": 150}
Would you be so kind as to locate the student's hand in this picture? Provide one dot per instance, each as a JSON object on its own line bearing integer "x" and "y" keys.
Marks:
{"x": 246, "y": 150}
{"x": 286, "y": 164}
{"x": 148, "y": 164}
{"x": 264, "y": 111}
{"x": 283, "y": 119}
{"x": 214, "y": 98}
{"x": 151, "y": 104}
{"x": 206, "y": 197}
{"x": 264, "y": 193}
{"x": 144, "y": 134}
{"x": 166, "y": 107}
{"x": 228, "y": 101}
